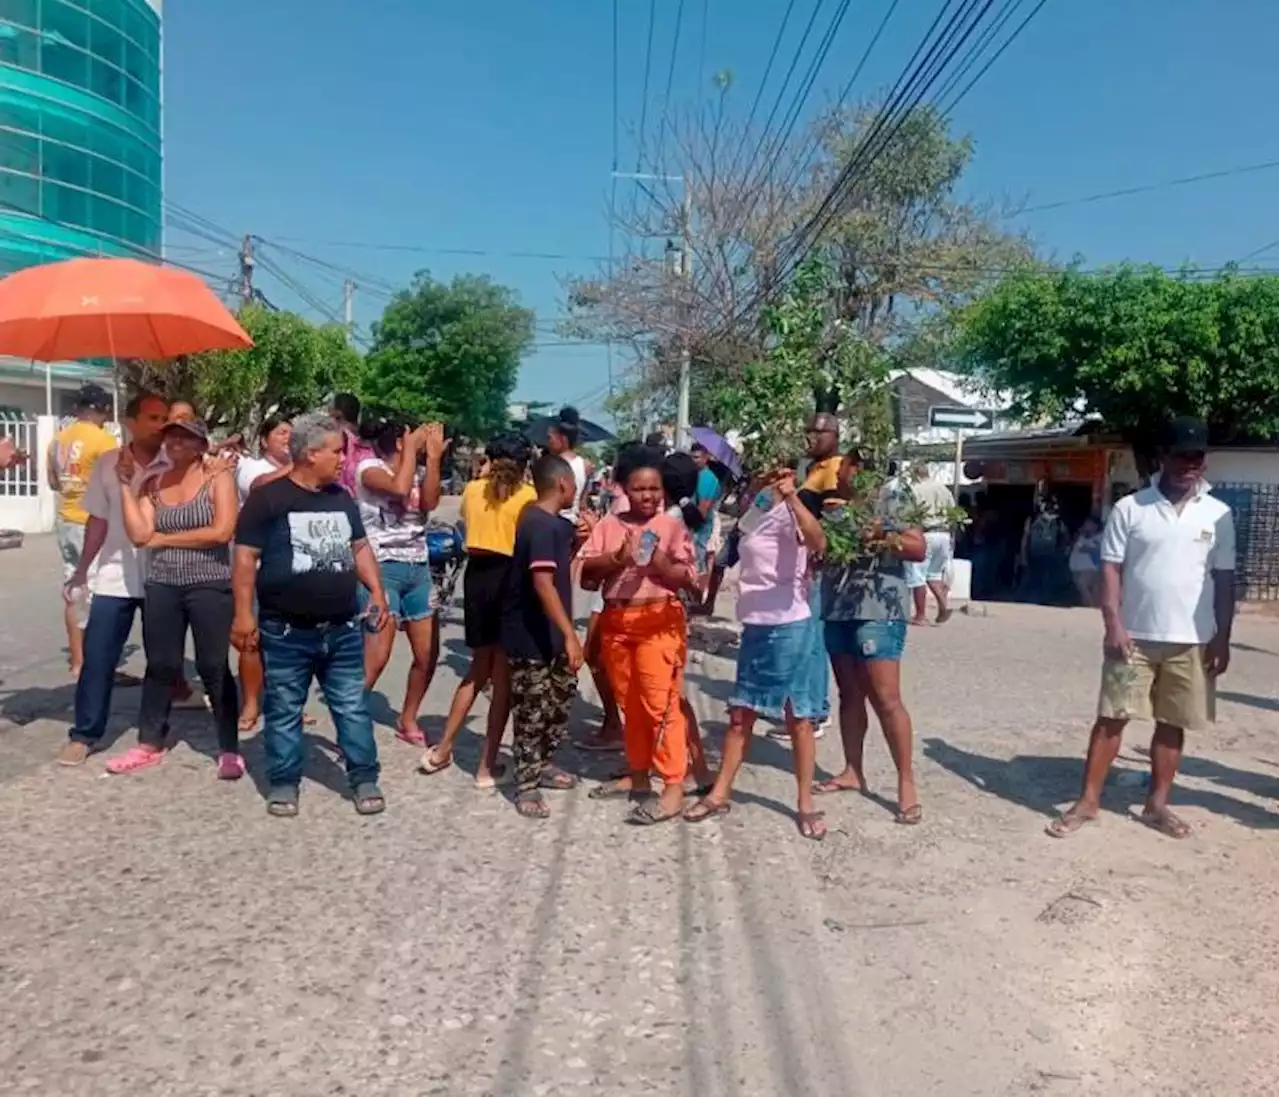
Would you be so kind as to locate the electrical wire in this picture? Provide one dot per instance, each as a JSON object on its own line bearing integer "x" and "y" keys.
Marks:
{"x": 764, "y": 80}
{"x": 660, "y": 159}
{"x": 946, "y": 110}
{"x": 1145, "y": 188}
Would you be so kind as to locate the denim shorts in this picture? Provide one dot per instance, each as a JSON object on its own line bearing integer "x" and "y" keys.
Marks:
{"x": 777, "y": 664}
{"x": 867, "y": 640}
{"x": 408, "y": 588}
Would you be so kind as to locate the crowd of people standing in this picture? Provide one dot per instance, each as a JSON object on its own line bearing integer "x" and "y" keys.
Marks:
{"x": 309, "y": 559}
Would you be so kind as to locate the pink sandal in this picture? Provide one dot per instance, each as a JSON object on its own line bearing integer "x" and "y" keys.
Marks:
{"x": 134, "y": 759}
{"x": 230, "y": 767}
{"x": 413, "y": 736}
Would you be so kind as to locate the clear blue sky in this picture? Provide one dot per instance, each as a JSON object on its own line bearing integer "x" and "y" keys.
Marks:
{"x": 489, "y": 126}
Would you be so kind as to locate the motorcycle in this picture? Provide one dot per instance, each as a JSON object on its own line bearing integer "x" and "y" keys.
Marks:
{"x": 446, "y": 553}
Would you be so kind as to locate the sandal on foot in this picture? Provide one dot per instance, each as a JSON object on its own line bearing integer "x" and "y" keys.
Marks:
{"x": 832, "y": 785}
{"x": 495, "y": 778}
{"x": 812, "y": 825}
{"x": 1166, "y": 823}
{"x": 909, "y": 816}
{"x": 413, "y": 736}
{"x": 432, "y": 764}
{"x": 649, "y": 815}
{"x": 134, "y": 759}
{"x": 531, "y": 805}
{"x": 1066, "y": 824}
{"x": 369, "y": 799}
{"x": 553, "y": 777}
{"x": 611, "y": 790}
{"x": 230, "y": 766}
{"x": 705, "y": 809}
{"x": 282, "y": 801}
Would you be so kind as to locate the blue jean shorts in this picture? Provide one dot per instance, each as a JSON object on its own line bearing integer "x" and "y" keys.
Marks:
{"x": 777, "y": 665}
{"x": 867, "y": 640}
{"x": 408, "y": 588}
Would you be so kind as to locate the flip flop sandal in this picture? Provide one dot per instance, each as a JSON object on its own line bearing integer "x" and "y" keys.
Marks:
{"x": 413, "y": 736}
{"x": 1067, "y": 824}
{"x": 646, "y": 816}
{"x": 807, "y": 822}
{"x": 557, "y": 779}
{"x": 599, "y": 746}
{"x": 610, "y": 792}
{"x": 430, "y": 764}
{"x": 496, "y": 779}
{"x": 830, "y": 788}
{"x": 910, "y": 816}
{"x": 531, "y": 805}
{"x": 369, "y": 799}
{"x": 283, "y": 802}
{"x": 706, "y": 809}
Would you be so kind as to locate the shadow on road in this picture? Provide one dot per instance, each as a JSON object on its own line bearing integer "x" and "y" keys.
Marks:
{"x": 1267, "y": 704}
{"x": 1043, "y": 782}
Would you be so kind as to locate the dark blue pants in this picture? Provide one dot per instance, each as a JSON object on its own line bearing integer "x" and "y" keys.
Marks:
{"x": 105, "y": 635}
{"x": 334, "y": 655}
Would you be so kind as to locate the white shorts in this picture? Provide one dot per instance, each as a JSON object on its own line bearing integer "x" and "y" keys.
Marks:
{"x": 936, "y": 565}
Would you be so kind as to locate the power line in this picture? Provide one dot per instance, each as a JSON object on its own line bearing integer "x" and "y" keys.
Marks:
{"x": 1146, "y": 188}
{"x": 764, "y": 80}
{"x": 993, "y": 58}
{"x": 1259, "y": 251}
{"x": 644, "y": 93}
{"x": 424, "y": 250}
{"x": 666, "y": 95}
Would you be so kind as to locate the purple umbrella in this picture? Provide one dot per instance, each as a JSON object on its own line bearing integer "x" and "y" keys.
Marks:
{"x": 718, "y": 446}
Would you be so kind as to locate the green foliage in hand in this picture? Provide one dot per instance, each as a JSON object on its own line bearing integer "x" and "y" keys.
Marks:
{"x": 449, "y": 351}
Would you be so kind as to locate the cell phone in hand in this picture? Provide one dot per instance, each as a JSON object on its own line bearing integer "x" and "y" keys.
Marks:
{"x": 645, "y": 549}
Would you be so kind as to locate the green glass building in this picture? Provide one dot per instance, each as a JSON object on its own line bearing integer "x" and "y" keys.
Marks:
{"x": 80, "y": 135}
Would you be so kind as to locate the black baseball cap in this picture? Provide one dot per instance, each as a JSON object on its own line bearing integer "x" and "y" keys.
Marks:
{"x": 93, "y": 396}
{"x": 1185, "y": 434}
{"x": 194, "y": 427}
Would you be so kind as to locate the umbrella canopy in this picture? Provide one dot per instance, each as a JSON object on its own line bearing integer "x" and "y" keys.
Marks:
{"x": 536, "y": 430}
{"x": 719, "y": 448}
{"x": 119, "y": 308}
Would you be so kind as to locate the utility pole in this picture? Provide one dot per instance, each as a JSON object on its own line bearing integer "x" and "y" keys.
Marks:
{"x": 686, "y": 349}
{"x": 246, "y": 269}
{"x": 679, "y": 264}
{"x": 349, "y": 307}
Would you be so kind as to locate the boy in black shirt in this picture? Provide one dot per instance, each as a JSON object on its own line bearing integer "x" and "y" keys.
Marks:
{"x": 538, "y": 636}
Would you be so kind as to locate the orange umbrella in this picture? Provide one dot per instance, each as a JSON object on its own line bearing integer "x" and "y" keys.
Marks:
{"x": 119, "y": 308}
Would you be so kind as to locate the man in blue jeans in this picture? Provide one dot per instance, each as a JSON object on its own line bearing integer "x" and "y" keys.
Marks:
{"x": 111, "y": 570}
{"x": 300, "y": 543}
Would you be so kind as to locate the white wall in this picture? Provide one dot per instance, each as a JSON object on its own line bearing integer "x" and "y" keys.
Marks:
{"x": 31, "y": 513}
{"x": 1242, "y": 466}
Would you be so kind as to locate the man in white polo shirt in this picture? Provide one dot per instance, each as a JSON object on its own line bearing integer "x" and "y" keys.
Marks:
{"x": 1168, "y": 599}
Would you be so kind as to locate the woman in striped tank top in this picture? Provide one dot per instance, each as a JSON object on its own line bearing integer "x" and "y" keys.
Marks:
{"x": 185, "y": 518}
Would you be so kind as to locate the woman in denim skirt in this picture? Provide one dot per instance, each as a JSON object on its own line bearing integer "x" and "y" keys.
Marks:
{"x": 775, "y": 678}
{"x": 395, "y": 496}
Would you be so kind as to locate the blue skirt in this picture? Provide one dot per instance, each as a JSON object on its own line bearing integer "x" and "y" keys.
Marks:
{"x": 781, "y": 663}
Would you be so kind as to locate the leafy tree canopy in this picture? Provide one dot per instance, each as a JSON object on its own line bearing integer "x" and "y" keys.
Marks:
{"x": 1132, "y": 345}
{"x": 291, "y": 367}
{"x": 449, "y": 351}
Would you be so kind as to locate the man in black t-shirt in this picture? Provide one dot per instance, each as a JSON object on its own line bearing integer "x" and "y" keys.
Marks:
{"x": 300, "y": 543}
{"x": 538, "y": 637}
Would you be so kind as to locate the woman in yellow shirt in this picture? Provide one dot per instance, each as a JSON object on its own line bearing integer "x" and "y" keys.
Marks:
{"x": 490, "y": 508}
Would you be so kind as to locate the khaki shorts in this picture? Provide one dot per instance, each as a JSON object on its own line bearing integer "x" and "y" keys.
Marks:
{"x": 1162, "y": 682}
{"x": 70, "y": 538}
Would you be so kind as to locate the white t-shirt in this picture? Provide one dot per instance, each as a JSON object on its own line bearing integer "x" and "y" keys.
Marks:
{"x": 248, "y": 469}
{"x": 396, "y": 529}
{"x": 120, "y": 568}
{"x": 936, "y": 498}
{"x": 579, "y": 465}
{"x": 1167, "y": 559}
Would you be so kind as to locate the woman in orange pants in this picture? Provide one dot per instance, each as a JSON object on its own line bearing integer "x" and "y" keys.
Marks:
{"x": 641, "y": 560}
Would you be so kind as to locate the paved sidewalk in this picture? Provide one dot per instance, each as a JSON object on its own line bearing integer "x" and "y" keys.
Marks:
{"x": 160, "y": 934}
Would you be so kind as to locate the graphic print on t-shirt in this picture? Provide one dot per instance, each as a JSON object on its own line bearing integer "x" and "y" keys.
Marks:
{"x": 321, "y": 541}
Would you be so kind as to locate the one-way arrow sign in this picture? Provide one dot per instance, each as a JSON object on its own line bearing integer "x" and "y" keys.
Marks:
{"x": 960, "y": 418}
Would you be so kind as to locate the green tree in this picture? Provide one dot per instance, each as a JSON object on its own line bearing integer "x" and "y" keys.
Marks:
{"x": 1132, "y": 345}
{"x": 900, "y": 245}
{"x": 449, "y": 351}
{"x": 291, "y": 367}
{"x": 813, "y": 360}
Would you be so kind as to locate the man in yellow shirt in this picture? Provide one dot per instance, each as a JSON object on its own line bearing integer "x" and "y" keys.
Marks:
{"x": 74, "y": 452}
{"x": 823, "y": 440}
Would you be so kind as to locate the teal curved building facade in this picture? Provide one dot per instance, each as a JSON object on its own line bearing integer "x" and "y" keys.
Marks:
{"x": 81, "y": 161}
